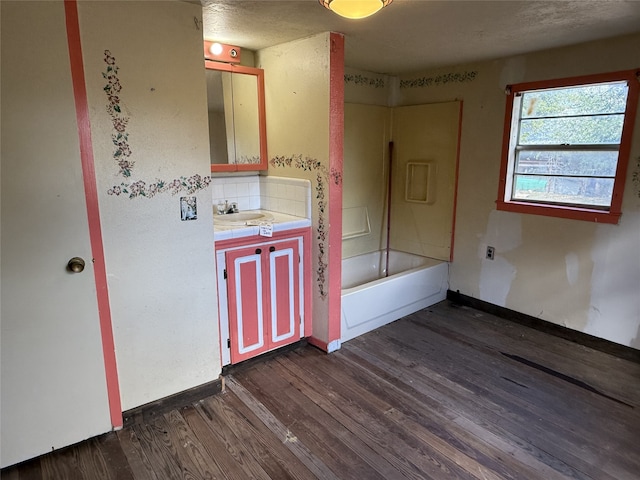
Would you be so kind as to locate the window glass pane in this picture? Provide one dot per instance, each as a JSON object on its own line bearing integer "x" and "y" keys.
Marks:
{"x": 586, "y": 100}
{"x": 565, "y": 146}
{"x": 564, "y": 190}
{"x": 567, "y": 162}
{"x": 605, "y": 129}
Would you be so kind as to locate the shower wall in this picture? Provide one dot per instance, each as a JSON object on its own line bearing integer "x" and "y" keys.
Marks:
{"x": 367, "y": 130}
{"x": 425, "y": 147}
{"x": 424, "y": 163}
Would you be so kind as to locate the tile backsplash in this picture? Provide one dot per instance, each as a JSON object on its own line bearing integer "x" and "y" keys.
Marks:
{"x": 244, "y": 190}
{"x": 279, "y": 194}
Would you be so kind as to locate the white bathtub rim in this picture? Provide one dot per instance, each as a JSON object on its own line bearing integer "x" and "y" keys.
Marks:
{"x": 378, "y": 281}
{"x": 427, "y": 285}
{"x": 354, "y": 331}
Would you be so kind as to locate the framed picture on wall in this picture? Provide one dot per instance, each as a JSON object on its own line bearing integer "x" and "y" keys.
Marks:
{"x": 188, "y": 208}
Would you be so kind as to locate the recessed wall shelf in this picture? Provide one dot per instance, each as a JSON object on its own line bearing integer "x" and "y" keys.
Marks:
{"x": 421, "y": 182}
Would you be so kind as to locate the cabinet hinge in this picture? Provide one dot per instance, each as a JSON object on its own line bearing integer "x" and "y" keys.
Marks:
{"x": 228, "y": 343}
{"x": 225, "y": 273}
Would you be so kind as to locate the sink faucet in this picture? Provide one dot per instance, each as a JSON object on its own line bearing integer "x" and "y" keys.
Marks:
{"x": 226, "y": 207}
{"x": 233, "y": 208}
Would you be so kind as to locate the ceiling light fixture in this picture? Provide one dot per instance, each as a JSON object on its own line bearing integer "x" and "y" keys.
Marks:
{"x": 355, "y": 8}
{"x": 215, "y": 48}
{"x": 221, "y": 52}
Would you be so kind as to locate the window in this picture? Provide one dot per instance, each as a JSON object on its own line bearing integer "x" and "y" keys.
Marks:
{"x": 566, "y": 146}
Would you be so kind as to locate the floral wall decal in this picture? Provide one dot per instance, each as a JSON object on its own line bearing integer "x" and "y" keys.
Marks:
{"x": 178, "y": 185}
{"x": 635, "y": 177}
{"x": 439, "y": 80}
{"x": 322, "y": 176}
{"x": 337, "y": 176}
{"x": 244, "y": 159}
{"x": 321, "y": 234}
{"x": 358, "y": 79}
{"x": 120, "y": 137}
{"x": 141, "y": 189}
{"x": 122, "y": 152}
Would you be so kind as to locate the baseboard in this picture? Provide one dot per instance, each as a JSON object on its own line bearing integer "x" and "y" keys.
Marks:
{"x": 324, "y": 346}
{"x": 319, "y": 344}
{"x": 232, "y": 368}
{"x": 148, "y": 411}
{"x": 600, "y": 344}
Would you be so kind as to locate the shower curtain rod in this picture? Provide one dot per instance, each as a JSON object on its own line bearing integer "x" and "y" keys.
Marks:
{"x": 386, "y": 270}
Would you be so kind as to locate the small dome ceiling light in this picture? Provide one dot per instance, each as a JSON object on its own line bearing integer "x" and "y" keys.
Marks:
{"x": 355, "y": 9}
{"x": 215, "y": 49}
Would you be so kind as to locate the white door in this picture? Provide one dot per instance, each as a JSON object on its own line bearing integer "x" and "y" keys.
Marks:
{"x": 53, "y": 375}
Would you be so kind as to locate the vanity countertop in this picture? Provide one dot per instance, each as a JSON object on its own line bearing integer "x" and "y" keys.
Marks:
{"x": 280, "y": 222}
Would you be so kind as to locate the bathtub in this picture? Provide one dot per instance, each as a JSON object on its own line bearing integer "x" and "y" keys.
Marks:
{"x": 371, "y": 300}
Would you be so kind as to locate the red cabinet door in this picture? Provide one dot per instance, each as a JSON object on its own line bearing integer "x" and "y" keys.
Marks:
{"x": 246, "y": 303}
{"x": 284, "y": 295}
{"x": 263, "y": 288}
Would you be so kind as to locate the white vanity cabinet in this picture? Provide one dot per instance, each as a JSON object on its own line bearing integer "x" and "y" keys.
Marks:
{"x": 263, "y": 293}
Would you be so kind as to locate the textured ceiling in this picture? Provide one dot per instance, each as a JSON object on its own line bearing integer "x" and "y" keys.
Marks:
{"x": 412, "y": 35}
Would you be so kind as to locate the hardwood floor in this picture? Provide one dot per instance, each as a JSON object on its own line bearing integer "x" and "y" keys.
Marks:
{"x": 448, "y": 392}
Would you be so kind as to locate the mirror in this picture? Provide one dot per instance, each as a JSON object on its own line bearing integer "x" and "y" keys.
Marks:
{"x": 235, "y": 105}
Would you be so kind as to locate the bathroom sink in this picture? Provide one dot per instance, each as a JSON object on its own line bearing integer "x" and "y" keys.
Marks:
{"x": 242, "y": 218}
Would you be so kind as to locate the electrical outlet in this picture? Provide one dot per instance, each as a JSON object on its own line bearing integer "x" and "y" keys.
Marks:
{"x": 491, "y": 253}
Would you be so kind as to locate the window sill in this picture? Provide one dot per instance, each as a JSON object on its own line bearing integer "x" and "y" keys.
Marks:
{"x": 560, "y": 211}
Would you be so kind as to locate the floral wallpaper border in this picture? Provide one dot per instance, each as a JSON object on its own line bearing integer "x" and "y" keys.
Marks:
{"x": 120, "y": 137}
{"x": 246, "y": 160}
{"x": 141, "y": 189}
{"x": 363, "y": 80}
{"x": 322, "y": 177}
{"x": 635, "y": 177}
{"x": 439, "y": 79}
{"x": 122, "y": 149}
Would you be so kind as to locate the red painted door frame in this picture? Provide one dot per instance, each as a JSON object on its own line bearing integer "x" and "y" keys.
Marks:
{"x": 93, "y": 210}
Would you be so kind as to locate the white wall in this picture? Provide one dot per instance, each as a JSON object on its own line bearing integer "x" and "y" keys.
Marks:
{"x": 578, "y": 274}
{"x": 297, "y": 111}
{"x": 160, "y": 269}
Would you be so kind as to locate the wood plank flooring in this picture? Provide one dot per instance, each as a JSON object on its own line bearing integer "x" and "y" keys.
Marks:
{"x": 448, "y": 392}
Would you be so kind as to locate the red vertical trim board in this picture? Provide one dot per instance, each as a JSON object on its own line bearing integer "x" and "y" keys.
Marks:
{"x": 307, "y": 269}
{"x": 336, "y": 152}
{"x": 455, "y": 187}
{"x": 93, "y": 211}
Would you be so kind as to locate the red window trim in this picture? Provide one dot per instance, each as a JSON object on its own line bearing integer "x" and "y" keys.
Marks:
{"x": 576, "y": 213}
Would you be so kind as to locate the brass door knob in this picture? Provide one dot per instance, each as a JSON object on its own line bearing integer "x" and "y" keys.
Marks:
{"x": 76, "y": 265}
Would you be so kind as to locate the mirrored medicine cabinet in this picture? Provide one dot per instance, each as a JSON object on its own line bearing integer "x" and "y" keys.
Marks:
{"x": 237, "y": 128}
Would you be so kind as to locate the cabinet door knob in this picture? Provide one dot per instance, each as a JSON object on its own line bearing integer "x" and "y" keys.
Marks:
{"x": 258, "y": 251}
{"x": 76, "y": 265}
{"x": 272, "y": 248}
